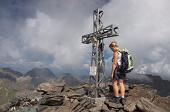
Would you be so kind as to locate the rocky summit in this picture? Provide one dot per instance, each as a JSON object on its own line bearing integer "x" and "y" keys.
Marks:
{"x": 57, "y": 97}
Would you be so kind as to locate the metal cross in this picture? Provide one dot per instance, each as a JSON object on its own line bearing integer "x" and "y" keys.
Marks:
{"x": 97, "y": 68}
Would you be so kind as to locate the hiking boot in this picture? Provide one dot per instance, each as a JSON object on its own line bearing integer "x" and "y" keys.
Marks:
{"x": 122, "y": 101}
{"x": 115, "y": 99}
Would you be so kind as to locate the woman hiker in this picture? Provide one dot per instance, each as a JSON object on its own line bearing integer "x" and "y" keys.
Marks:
{"x": 117, "y": 76}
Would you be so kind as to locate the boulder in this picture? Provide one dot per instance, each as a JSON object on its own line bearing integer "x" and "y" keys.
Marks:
{"x": 74, "y": 96}
{"x": 52, "y": 100}
{"x": 79, "y": 90}
{"x": 84, "y": 105}
{"x": 96, "y": 109}
{"x": 162, "y": 102}
{"x": 145, "y": 105}
{"x": 113, "y": 105}
{"x": 48, "y": 87}
{"x": 134, "y": 95}
{"x": 130, "y": 107}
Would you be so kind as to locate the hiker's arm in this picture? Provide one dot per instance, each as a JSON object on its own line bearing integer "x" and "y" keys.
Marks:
{"x": 114, "y": 64}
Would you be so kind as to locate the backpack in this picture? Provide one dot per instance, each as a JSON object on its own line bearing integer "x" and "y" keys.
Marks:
{"x": 126, "y": 61}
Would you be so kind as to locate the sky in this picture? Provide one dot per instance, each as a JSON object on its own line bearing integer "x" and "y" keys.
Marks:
{"x": 47, "y": 33}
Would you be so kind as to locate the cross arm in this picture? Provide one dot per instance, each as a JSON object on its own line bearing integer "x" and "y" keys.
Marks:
{"x": 106, "y": 32}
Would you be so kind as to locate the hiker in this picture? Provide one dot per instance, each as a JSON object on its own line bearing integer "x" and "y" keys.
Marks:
{"x": 117, "y": 76}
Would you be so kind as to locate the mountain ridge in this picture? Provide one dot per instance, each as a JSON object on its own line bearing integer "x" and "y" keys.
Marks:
{"x": 40, "y": 75}
{"x": 155, "y": 81}
{"x": 68, "y": 79}
{"x": 10, "y": 74}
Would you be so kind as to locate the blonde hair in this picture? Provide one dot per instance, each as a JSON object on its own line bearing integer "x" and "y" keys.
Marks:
{"x": 113, "y": 44}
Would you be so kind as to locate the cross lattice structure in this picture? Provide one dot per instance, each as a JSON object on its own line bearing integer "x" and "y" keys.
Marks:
{"x": 97, "y": 69}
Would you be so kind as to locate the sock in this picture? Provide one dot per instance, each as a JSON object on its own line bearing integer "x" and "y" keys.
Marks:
{"x": 122, "y": 96}
{"x": 116, "y": 96}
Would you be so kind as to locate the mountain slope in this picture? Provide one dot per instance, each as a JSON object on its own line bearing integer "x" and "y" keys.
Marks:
{"x": 40, "y": 75}
{"x": 7, "y": 91}
{"x": 162, "y": 86}
{"x": 9, "y": 74}
{"x": 69, "y": 79}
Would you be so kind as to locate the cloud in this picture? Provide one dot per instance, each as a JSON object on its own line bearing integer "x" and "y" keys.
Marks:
{"x": 8, "y": 50}
{"x": 159, "y": 67}
{"x": 54, "y": 37}
{"x": 144, "y": 30}
{"x": 48, "y": 33}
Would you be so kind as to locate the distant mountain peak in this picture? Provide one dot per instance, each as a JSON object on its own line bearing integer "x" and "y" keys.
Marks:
{"x": 40, "y": 75}
{"x": 69, "y": 79}
{"x": 41, "y": 72}
{"x": 9, "y": 74}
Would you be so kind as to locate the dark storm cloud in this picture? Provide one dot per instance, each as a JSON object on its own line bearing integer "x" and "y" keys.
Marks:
{"x": 12, "y": 15}
{"x": 18, "y": 9}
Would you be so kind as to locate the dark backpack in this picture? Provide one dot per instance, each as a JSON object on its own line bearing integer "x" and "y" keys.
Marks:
{"x": 126, "y": 61}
